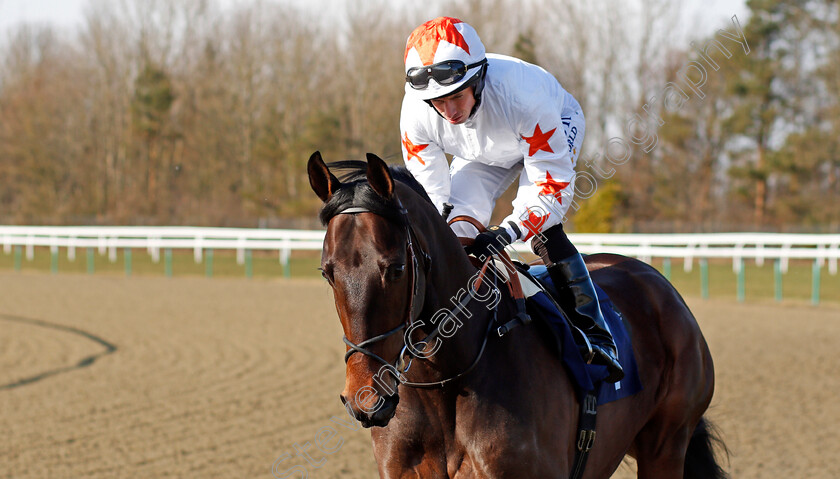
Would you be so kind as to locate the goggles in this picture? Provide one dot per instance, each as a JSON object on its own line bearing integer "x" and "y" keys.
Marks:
{"x": 444, "y": 73}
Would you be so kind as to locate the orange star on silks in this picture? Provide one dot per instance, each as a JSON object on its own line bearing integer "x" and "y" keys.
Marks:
{"x": 426, "y": 37}
{"x": 539, "y": 141}
{"x": 552, "y": 187}
{"x": 412, "y": 150}
{"x": 534, "y": 223}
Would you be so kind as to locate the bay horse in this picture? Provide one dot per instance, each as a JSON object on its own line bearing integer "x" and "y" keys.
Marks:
{"x": 472, "y": 404}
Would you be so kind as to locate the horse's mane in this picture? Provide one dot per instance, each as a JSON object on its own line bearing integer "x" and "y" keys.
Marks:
{"x": 355, "y": 192}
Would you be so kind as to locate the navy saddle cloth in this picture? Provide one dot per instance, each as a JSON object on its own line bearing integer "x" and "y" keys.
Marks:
{"x": 588, "y": 377}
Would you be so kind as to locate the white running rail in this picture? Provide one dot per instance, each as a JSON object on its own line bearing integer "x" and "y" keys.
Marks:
{"x": 739, "y": 247}
{"x": 759, "y": 247}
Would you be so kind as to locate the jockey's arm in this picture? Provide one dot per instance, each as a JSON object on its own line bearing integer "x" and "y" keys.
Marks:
{"x": 426, "y": 161}
{"x": 546, "y": 187}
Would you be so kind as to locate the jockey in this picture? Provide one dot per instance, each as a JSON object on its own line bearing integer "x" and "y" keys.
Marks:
{"x": 500, "y": 118}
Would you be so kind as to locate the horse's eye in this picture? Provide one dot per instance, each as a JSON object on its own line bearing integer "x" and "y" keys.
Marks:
{"x": 395, "y": 272}
{"x": 327, "y": 274}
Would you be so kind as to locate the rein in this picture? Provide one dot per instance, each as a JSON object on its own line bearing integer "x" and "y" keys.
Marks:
{"x": 401, "y": 364}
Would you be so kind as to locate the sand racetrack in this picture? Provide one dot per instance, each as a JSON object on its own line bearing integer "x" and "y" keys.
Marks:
{"x": 108, "y": 377}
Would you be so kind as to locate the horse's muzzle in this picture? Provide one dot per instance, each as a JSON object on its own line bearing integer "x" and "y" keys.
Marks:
{"x": 380, "y": 416}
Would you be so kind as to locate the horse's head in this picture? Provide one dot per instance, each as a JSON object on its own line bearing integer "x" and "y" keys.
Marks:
{"x": 376, "y": 267}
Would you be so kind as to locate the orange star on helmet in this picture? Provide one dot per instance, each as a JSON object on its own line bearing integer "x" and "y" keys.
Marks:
{"x": 412, "y": 150}
{"x": 426, "y": 38}
{"x": 539, "y": 141}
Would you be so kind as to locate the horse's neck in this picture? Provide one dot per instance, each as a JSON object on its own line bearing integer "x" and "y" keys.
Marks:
{"x": 448, "y": 286}
{"x": 466, "y": 319}
{"x": 428, "y": 431}
{"x": 451, "y": 269}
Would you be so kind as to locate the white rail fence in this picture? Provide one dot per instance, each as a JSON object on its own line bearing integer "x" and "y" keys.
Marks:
{"x": 821, "y": 249}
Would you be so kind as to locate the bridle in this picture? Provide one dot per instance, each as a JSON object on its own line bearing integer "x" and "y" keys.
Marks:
{"x": 404, "y": 360}
{"x": 415, "y": 287}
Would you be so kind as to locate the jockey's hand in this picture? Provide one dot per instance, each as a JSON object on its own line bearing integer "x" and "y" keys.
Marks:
{"x": 489, "y": 242}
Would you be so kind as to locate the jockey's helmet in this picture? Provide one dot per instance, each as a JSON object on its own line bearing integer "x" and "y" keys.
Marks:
{"x": 443, "y": 56}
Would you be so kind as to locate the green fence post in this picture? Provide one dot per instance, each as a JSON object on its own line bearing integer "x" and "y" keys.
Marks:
{"x": 91, "y": 268}
{"x": 704, "y": 278}
{"x": 741, "y": 280}
{"x": 54, "y": 260}
{"x": 815, "y": 283}
{"x": 167, "y": 263}
{"x": 284, "y": 258}
{"x": 777, "y": 277}
{"x": 666, "y": 268}
{"x": 208, "y": 263}
{"x": 249, "y": 264}
{"x": 127, "y": 259}
{"x": 18, "y": 257}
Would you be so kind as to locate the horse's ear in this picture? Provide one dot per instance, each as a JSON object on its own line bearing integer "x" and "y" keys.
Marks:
{"x": 379, "y": 176}
{"x": 323, "y": 183}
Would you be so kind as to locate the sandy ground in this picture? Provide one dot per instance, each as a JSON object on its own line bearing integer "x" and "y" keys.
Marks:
{"x": 109, "y": 377}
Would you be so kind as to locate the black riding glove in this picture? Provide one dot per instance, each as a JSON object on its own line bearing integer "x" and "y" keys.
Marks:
{"x": 489, "y": 242}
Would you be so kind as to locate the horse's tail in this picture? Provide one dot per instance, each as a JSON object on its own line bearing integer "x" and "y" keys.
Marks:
{"x": 700, "y": 459}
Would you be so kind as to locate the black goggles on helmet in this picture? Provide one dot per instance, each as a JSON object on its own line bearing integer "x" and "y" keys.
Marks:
{"x": 444, "y": 73}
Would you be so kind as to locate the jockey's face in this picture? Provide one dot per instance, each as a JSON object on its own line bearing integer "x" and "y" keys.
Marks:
{"x": 456, "y": 108}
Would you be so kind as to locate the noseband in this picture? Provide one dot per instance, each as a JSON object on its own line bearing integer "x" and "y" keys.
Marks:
{"x": 403, "y": 364}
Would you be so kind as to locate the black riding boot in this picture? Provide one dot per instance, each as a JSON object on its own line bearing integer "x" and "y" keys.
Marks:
{"x": 571, "y": 279}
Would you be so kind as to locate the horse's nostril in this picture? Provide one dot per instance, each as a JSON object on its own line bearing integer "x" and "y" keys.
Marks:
{"x": 343, "y": 399}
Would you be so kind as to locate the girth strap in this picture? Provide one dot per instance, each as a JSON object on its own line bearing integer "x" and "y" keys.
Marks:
{"x": 586, "y": 433}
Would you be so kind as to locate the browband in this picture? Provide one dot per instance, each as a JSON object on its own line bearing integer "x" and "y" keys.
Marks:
{"x": 354, "y": 209}
{"x": 359, "y": 209}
